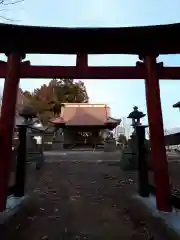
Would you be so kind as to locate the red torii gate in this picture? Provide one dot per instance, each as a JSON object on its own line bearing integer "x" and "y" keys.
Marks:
{"x": 147, "y": 43}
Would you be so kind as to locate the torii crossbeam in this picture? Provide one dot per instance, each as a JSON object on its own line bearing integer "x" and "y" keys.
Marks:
{"x": 127, "y": 73}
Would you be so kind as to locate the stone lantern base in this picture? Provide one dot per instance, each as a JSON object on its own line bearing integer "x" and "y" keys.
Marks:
{"x": 129, "y": 157}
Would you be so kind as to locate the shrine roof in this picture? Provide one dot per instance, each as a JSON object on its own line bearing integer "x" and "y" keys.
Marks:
{"x": 85, "y": 114}
{"x": 162, "y": 39}
{"x": 111, "y": 120}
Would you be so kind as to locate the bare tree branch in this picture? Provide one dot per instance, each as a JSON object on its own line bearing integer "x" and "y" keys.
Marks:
{"x": 8, "y": 19}
{"x": 6, "y": 4}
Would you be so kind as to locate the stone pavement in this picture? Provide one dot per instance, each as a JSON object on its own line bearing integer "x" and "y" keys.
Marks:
{"x": 82, "y": 156}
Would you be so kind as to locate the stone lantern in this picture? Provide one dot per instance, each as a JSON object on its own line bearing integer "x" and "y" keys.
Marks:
{"x": 19, "y": 178}
{"x": 129, "y": 154}
{"x": 28, "y": 113}
{"x": 136, "y": 115}
{"x": 27, "y": 127}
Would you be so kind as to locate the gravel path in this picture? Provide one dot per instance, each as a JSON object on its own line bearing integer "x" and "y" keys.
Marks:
{"x": 79, "y": 201}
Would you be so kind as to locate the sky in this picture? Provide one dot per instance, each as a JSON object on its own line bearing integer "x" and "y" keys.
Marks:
{"x": 120, "y": 95}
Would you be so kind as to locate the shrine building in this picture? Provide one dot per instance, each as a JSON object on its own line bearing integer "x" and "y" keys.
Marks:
{"x": 81, "y": 124}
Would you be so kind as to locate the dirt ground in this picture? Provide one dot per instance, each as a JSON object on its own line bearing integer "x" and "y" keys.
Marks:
{"x": 81, "y": 201}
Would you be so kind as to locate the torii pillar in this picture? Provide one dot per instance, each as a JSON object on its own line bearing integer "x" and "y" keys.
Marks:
{"x": 158, "y": 151}
{"x": 7, "y": 118}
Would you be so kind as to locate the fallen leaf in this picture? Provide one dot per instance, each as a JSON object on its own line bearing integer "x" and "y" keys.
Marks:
{"x": 18, "y": 226}
{"x": 44, "y": 238}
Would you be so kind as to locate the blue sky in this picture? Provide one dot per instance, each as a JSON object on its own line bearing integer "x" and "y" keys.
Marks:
{"x": 120, "y": 95}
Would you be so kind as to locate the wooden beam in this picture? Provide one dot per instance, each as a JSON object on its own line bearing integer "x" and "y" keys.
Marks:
{"x": 162, "y": 39}
{"x": 138, "y": 72}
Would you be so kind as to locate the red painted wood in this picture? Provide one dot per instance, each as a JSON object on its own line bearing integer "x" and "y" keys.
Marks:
{"x": 28, "y": 71}
{"x": 7, "y": 123}
{"x": 159, "y": 159}
{"x": 82, "y": 61}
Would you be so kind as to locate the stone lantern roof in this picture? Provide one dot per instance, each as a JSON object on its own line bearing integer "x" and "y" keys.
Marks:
{"x": 135, "y": 114}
